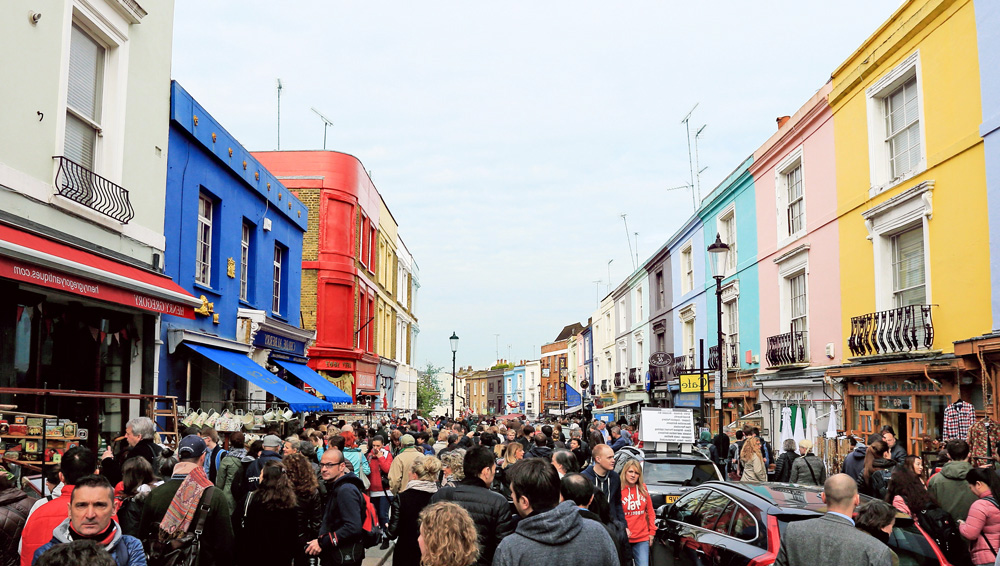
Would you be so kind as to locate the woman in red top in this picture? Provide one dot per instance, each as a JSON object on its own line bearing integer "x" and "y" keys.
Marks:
{"x": 639, "y": 513}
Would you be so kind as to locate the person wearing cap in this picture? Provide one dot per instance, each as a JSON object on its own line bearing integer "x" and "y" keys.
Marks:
{"x": 271, "y": 452}
{"x": 399, "y": 471}
{"x": 807, "y": 469}
{"x": 186, "y": 485}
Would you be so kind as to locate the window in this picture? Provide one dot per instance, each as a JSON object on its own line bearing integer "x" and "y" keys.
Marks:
{"x": 790, "y": 197}
{"x": 731, "y": 325}
{"x": 363, "y": 236}
{"x": 276, "y": 294}
{"x": 902, "y": 128}
{"x": 660, "y": 294}
{"x": 639, "y": 355}
{"x": 796, "y": 207}
{"x": 245, "y": 262}
{"x": 797, "y": 295}
{"x": 607, "y": 327}
{"x": 622, "y": 316}
{"x": 688, "y": 338}
{"x": 83, "y": 97}
{"x": 684, "y": 510}
{"x": 908, "y": 278}
{"x": 661, "y": 341}
{"x": 203, "y": 260}
{"x": 895, "y": 135}
{"x": 727, "y": 230}
{"x": 638, "y": 303}
{"x": 687, "y": 269}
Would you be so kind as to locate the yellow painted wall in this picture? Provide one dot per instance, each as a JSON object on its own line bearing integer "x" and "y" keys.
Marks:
{"x": 944, "y": 31}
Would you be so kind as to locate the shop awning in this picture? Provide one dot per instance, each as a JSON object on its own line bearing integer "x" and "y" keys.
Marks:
{"x": 575, "y": 409}
{"x": 620, "y": 405}
{"x": 332, "y": 393}
{"x": 244, "y": 367}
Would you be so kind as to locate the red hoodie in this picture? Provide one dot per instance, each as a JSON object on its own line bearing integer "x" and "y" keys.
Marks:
{"x": 639, "y": 514}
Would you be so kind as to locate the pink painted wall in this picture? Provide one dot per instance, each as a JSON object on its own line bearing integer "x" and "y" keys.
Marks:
{"x": 811, "y": 128}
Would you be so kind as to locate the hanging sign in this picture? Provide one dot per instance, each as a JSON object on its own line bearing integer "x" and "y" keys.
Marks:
{"x": 693, "y": 383}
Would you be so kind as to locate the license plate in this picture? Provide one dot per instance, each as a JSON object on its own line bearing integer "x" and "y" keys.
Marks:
{"x": 670, "y": 499}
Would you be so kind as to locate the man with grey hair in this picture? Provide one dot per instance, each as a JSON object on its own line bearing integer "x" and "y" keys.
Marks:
{"x": 139, "y": 434}
{"x": 832, "y": 539}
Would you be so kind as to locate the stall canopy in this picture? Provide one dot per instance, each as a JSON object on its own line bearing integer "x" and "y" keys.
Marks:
{"x": 332, "y": 393}
{"x": 244, "y": 367}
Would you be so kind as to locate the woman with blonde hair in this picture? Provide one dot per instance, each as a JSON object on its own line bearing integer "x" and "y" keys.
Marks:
{"x": 452, "y": 463}
{"x": 512, "y": 453}
{"x": 753, "y": 461}
{"x": 639, "y": 512}
{"x": 406, "y": 508}
{"x": 447, "y": 536}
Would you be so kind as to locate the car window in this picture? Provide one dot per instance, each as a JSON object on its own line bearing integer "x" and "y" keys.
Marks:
{"x": 685, "y": 508}
{"x": 713, "y": 507}
{"x": 911, "y": 546}
{"x": 683, "y": 473}
{"x": 722, "y": 525}
{"x": 744, "y": 527}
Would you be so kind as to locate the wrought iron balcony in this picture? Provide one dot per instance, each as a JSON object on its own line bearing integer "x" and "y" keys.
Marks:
{"x": 619, "y": 380}
{"x": 894, "y": 331}
{"x": 713, "y": 358}
{"x": 732, "y": 356}
{"x": 632, "y": 377}
{"x": 684, "y": 364}
{"x": 787, "y": 349}
{"x": 79, "y": 184}
{"x": 604, "y": 387}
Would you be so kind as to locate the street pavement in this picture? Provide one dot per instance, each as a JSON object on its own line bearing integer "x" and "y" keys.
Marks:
{"x": 375, "y": 556}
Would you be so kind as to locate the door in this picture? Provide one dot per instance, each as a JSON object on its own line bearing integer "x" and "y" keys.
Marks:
{"x": 668, "y": 546}
{"x": 915, "y": 430}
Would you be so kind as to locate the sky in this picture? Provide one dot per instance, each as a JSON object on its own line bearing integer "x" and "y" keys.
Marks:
{"x": 508, "y": 138}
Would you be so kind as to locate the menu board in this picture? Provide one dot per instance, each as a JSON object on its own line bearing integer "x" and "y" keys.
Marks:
{"x": 667, "y": 425}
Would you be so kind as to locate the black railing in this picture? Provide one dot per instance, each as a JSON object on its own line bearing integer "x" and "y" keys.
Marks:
{"x": 684, "y": 364}
{"x": 633, "y": 379}
{"x": 713, "y": 358}
{"x": 619, "y": 380}
{"x": 79, "y": 184}
{"x": 604, "y": 387}
{"x": 788, "y": 348}
{"x": 734, "y": 355}
{"x": 897, "y": 330}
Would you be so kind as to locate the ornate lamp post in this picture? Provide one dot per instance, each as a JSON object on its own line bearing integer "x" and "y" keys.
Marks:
{"x": 454, "y": 380}
{"x": 719, "y": 252}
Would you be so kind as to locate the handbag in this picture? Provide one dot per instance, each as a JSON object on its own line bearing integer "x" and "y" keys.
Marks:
{"x": 348, "y": 554}
{"x": 185, "y": 549}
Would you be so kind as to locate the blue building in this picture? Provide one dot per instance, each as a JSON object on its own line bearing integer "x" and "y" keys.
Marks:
{"x": 588, "y": 363}
{"x": 987, "y": 22}
{"x": 233, "y": 237}
{"x": 513, "y": 390}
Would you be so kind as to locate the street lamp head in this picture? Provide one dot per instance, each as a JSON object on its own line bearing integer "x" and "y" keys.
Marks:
{"x": 454, "y": 342}
{"x": 719, "y": 251}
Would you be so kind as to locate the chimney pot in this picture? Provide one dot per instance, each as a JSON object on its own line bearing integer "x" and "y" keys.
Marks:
{"x": 782, "y": 120}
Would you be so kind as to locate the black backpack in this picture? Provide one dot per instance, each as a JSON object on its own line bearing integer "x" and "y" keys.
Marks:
{"x": 240, "y": 486}
{"x": 184, "y": 550}
{"x": 940, "y": 526}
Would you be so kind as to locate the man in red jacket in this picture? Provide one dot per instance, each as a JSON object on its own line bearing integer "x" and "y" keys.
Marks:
{"x": 76, "y": 463}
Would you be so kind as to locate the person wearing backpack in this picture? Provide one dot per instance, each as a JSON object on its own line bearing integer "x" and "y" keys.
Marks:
{"x": 908, "y": 494}
{"x": 269, "y": 513}
{"x": 213, "y": 454}
{"x": 182, "y": 494}
{"x": 982, "y": 528}
{"x": 341, "y": 534}
{"x": 874, "y": 479}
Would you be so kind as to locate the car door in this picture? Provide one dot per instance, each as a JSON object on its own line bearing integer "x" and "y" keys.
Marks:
{"x": 708, "y": 546}
{"x": 673, "y": 530}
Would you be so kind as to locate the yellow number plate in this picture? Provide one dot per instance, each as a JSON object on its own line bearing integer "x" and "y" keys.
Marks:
{"x": 670, "y": 499}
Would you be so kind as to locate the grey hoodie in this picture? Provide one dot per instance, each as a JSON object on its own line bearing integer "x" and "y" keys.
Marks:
{"x": 126, "y": 550}
{"x": 557, "y": 537}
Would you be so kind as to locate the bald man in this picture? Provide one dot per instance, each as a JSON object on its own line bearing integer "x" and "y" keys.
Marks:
{"x": 602, "y": 474}
{"x": 832, "y": 540}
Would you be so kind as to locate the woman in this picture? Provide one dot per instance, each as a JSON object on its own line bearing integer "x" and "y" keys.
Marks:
{"x": 906, "y": 492}
{"x": 452, "y": 463}
{"x": 513, "y": 453}
{"x": 874, "y": 479}
{"x": 267, "y": 528}
{"x": 137, "y": 482}
{"x": 230, "y": 464}
{"x": 982, "y": 527}
{"x": 308, "y": 502}
{"x": 639, "y": 512}
{"x": 565, "y": 462}
{"x": 718, "y": 451}
{"x": 394, "y": 446}
{"x": 753, "y": 461}
{"x": 916, "y": 465}
{"x": 316, "y": 437}
{"x": 406, "y": 508}
{"x": 576, "y": 447}
{"x": 877, "y": 518}
{"x": 447, "y": 536}
{"x": 783, "y": 467}
{"x": 354, "y": 455}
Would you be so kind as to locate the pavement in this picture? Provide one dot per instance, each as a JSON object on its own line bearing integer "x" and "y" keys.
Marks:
{"x": 375, "y": 556}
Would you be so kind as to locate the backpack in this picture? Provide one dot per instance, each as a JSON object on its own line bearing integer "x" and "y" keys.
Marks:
{"x": 371, "y": 531}
{"x": 186, "y": 549}
{"x": 939, "y": 525}
{"x": 240, "y": 486}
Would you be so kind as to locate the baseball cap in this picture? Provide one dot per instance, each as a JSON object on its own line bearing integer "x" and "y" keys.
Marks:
{"x": 406, "y": 440}
{"x": 271, "y": 440}
{"x": 191, "y": 446}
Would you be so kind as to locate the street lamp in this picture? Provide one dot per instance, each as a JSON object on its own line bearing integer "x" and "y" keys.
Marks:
{"x": 719, "y": 252}
{"x": 454, "y": 349}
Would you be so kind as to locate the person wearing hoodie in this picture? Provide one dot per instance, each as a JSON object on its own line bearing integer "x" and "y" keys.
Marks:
{"x": 91, "y": 505}
{"x": 541, "y": 447}
{"x": 874, "y": 480}
{"x": 356, "y": 455}
{"x": 948, "y": 487}
{"x": 229, "y": 465}
{"x": 271, "y": 452}
{"x": 579, "y": 490}
{"x": 854, "y": 463}
{"x": 602, "y": 474}
{"x": 550, "y": 532}
{"x": 341, "y": 533}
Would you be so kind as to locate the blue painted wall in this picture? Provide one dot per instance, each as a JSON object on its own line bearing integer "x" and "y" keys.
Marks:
{"x": 243, "y": 191}
{"x": 988, "y": 34}
{"x": 691, "y": 233}
{"x": 511, "y": 378}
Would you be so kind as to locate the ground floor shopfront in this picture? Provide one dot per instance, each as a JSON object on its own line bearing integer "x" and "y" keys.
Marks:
{"x": 798, "y": 391}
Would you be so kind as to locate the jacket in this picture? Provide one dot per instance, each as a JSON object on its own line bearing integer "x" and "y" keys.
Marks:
{"x": 611, "y": 486}
{"x": 358, "y": 461}
{"x": 624, "y": 550}
{"x": 126, "y": 550}
{"x": 539, "y": 452}
{"x": 145, "y": 448}
{"x": 38, "y": 529}
{"x": 217, "y": 539}
{"x": 620, "y": 442}
{"x": 399, "y": 470}
{"x": 343, "y": 518}
{"x": 557, "y": 537}
{"x": 830, "y": 540}
{"x": 754, "y": 470}
{"x": 224, "y": 476}
{"x": 783, "y": 467}
{"x": 14, "y": 508}
{"x": 854, "y": 463}
{"x": 403, "y": 524}
{"x": 255, "y": 467}
{"x": 877, "y": 483}
{"x": 808, "y": 470}
{"x": 949, "y": 488}
{"x": 639, "y": 514}
{"x": 489, "y": 510}
{"x": 898, "y": 453}
{"x": 379, "y": 466}
{"x": 984, "y": 519}
{"x": 279, "y": 527}
{"x": 309, "y": 516}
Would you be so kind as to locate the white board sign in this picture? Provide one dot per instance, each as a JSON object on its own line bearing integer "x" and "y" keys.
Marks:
{"x": 667, "y": 425}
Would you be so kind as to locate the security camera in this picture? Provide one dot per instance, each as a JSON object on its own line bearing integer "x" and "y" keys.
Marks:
{"x": 33, "y": 17}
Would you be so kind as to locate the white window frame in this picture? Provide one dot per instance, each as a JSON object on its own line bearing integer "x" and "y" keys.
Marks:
{"x": 878, "y": 146}
{"x": 276, "y": 284}
{"x": 726, "y": 227}
{"x": 894, "y": 242}
{"x": 661, "y": 296}
{"x": 622, "y": 317}
{"x": 688, "y": 317}
{"x": 907, "y": 210}
{"x": 731, "y": 313}
{"x": 638, "y": 304}
{"x": 608, "y": 336}
{"x": 791, "y": 265}
{"x": 245, "y": 261}
{"x": 203, "y": 252}
{"x": 793, "y": 160}
{"x": 687, "y": 268}
{"x": 798, "y": 285}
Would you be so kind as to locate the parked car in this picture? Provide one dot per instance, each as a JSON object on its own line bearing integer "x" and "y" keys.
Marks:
{"x": 734, "y": 524}
{"x": 671, "y": 475}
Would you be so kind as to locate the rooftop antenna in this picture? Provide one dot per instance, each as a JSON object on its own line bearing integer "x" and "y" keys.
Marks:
{"x": 498, "y": 347}
{"x": 636, "y": 249}
{"x": 597, "y": 291}
{"x": 609, "y": 274}
{"x": 326, "y": 123}
{"x": 687, "y": 126}
{"x": 628, "y": 239}
{"x": 698, "y": 171}
{"x": 279, "y": 114}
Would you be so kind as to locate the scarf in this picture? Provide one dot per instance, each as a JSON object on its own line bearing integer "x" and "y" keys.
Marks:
{"x": 184, "y": 504}
{"x": 422, "y": 485}
{"x": 103, "y": 539}
{"x": 238, "y": 452}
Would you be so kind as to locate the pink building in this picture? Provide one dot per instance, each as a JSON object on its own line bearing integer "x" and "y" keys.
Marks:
{"x": 798, "y": 261}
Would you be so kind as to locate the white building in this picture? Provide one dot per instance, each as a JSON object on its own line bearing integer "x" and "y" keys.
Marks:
{"x": 532, "y": 388}
{"x": 407, "y": 329}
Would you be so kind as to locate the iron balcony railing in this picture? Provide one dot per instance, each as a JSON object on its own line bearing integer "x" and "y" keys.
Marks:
{"x": 713, "y": 358}
{"x": 633, "y": 379}
{"x": 893, "y": 331}
{"x": 732, "y": 356}
{"x": 788, "y": 348}
{"x": 619, "y": 380}
{"x": 604, "y": 387}
{"x": 79, "y": 184}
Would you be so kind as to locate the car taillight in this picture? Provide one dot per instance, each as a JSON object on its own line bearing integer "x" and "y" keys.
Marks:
{"x": 771, "y": 555}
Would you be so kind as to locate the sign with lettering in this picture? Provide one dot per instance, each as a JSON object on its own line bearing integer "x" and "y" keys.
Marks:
{"x": 667, "y": 425}
{"x": 896, "y": 386}
{"x": 694, "y": 383}
{"x": 271, "y": 341}
{"x": 661, "y": 359}
{"x": 341, "y": 365}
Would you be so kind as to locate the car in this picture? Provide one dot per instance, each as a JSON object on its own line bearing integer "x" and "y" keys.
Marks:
{"x": 669, "y": 475}
{"x": 738, "y": 524}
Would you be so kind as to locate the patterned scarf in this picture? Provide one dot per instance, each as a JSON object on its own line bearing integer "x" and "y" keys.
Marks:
{"x": 184, "y": 504}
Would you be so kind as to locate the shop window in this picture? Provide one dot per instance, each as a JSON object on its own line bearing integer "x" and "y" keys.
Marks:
{"x": 861, "y": 403}
{"x": 896, "y": 402}
{"x": 932, "y": 407}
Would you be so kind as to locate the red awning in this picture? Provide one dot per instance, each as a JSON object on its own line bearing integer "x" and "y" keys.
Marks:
{"x": 33, "y": 259}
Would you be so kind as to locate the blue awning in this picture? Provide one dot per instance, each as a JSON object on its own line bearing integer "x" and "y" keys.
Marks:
{"x": 297, "y": 399}
{"x": 332, "y": 393}
{"x": 573, "y": 397}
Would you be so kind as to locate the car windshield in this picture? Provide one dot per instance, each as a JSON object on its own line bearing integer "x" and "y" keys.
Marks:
{"x": 678, "y": 472}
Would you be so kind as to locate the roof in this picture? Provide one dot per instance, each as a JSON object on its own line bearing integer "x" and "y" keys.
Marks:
{"x": 569, "y": 330}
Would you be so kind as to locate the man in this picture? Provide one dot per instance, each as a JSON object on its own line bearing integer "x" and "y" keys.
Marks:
{"x": 550, "y": 533}
{"x": 576, "y": 488}
{"x": 217, "y": 547}
{"x": 527, "y": 431}
{"x": 895, "y": 449}
{"x": 426, "y": 449}
{"x": 343, "y": 518}
{"x": 602, "y": 474}
{"x": 214, "y": 454}
{"x": 139, "y": 433}
{"x": 541, "y": 447}
{"x": 808, "y": 469}
{"x": 442, "y": 441}
{"x": 602, "y": 427}
{"x": 832, "y": 539}
{"x": 948, "y": 487}
{"x": 489, "y": 510}
{"x": 271, "y": 451}
{"x": 399, "y": 470}
{"x": 76, "y": 463}
{"x": 854, "y": 463}
{"x": 91, "y": 504}
{"x": 618, "y": 440}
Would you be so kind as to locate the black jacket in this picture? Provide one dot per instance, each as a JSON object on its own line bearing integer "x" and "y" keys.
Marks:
{"x": 403, "y": 525}
{"x": 309, "y": 516}
{"x": 255, "y": 467}
{"x": 279, "y": 527}
{"x": 878, "y": 483}
{"x": 783, "y": 468}
{"x": 489, "y": 510}
{"x": 614, "y": 492}
{"x": 343, "y": 519}
{"x": 539, "y": 452}
{"x": 111, "y": 468}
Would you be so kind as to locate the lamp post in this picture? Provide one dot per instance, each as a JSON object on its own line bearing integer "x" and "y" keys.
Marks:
{"x": 454, "y": 380}
{"x": 719, "y": 252}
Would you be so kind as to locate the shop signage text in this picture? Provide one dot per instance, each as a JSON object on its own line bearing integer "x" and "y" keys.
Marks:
{"x": 691, "y": 383}
{"x": 895, "y": 386}
{"x": 338, "y": 364}
{"x": 274, "y": 342}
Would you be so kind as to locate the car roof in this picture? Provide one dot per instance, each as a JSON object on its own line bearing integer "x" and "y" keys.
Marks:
{"x": 665, "y": 456}
{"x": 786, "y": 498}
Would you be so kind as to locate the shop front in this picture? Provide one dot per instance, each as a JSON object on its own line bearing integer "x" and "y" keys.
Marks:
{"x": 739, "y": 397}
{"x": 798, "y": 391}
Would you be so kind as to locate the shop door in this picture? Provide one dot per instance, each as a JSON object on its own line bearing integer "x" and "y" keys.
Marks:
{"x": 866, "y": 422}
{"x": 915, "y": 430}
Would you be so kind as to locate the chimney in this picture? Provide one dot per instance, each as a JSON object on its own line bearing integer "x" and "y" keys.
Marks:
{"x": 782, "y": 120}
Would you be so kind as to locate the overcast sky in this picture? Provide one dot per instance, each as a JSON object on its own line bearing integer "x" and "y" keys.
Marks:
{"x": 507, "y": 138}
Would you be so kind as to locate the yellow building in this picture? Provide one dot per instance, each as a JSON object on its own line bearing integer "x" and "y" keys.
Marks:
{"x": 911, "y": 213}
